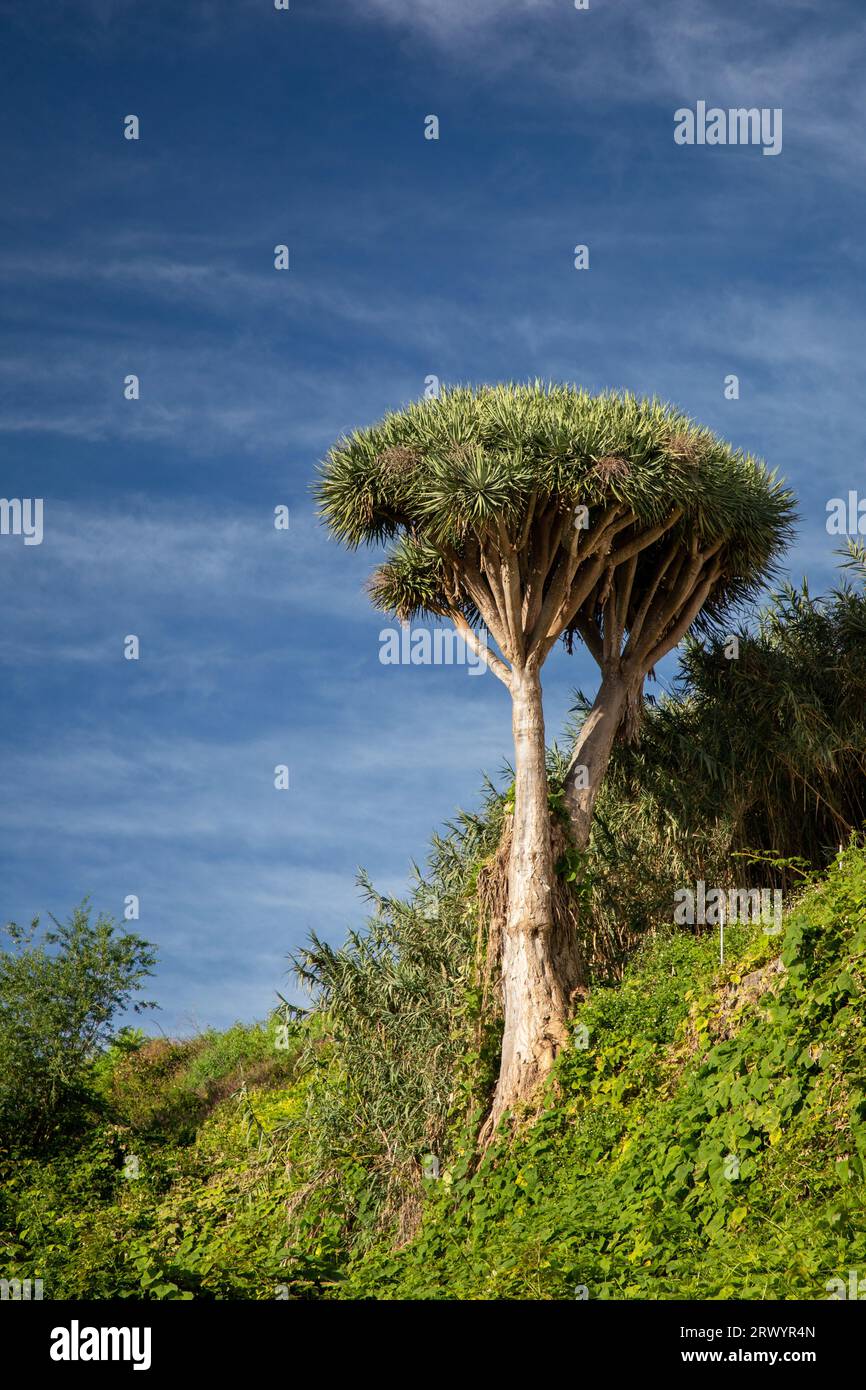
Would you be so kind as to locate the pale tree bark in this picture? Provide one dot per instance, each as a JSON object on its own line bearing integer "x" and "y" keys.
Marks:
{"x": 540, "y": 966}
{"x": 591, "y": 755}
{"x": 655, "y": 626}
{"x": 585, "y": 581}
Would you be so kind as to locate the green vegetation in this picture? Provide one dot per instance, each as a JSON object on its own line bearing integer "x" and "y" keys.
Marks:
{"x": 690, "y": 1073}
{"x": 708, "y": 1142}
{"x": 59, "y": 994}
{"x": 775, "y": 735}
{"x": 702, "y": 1136}
{"x": 525, "y": 514}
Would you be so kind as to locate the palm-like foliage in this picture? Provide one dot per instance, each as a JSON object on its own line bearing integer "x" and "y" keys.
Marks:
{"x": 477, "y": 492}
{"x": 536, "y": 512}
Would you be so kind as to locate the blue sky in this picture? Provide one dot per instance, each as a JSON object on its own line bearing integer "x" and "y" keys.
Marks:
{"x": 409, "y": 257}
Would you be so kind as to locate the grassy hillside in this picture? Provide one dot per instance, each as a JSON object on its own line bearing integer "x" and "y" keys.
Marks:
{"x": 703, "y": 1137}
{"x": 707, "y": 1142}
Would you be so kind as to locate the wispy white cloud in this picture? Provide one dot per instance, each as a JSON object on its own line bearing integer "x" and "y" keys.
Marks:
{"x": 158, "y": 565}
{"x": 202, "y": 398}
{"x": 681, "y": 51}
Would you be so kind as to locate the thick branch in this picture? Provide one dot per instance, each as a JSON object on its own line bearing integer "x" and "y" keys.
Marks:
{"x": 513, "y": 598}
{"x": 620, "y": 600}
{"x": 472, "y": 640}
{"x": 559, "y": 595}
{"x": 484, "y": 599}
{"x": 636, "y": 625}
{"x": 576, "y": 600}
{"x": 670, "y": 603}
{"x": 542, "y": 555}
{"x": 530, "y": 514}
{"x": 684, "y": 622}
{"x": 645, "y": 538}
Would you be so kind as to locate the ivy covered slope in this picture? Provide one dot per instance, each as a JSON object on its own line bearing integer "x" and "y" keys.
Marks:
{"x": 159, "y": 1192}
{"x": 707, "y": 1142}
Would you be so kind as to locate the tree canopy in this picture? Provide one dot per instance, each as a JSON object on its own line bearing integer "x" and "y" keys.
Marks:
{"x": 536, "y": 510}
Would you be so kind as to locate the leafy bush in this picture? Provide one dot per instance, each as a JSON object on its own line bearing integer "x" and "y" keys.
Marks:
{"x": 222, "y": 1062}
{"x": 397, "y": 1047}
{"x": 59, "y": 997}
{"x": 146, "y": 1090}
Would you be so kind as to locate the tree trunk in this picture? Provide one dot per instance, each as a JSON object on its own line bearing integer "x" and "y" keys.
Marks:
{"x": 592, "y": 753}
{"x": 539, "y": 965}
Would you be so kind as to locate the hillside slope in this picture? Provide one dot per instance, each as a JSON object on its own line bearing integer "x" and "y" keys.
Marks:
{"x": 704, "y": 1137}
{"x": 708, "y": 1141}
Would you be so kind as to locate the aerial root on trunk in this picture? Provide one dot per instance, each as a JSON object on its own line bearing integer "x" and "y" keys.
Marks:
{"x": 564, "y": 953}
{"x": 492, "y": 895}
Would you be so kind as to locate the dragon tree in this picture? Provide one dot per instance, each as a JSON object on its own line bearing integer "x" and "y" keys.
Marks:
{"x": 527, "y": 514}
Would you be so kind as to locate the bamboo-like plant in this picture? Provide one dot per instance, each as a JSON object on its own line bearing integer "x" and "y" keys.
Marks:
{"x": 770, "y": 746}
{"x": 528, "y": 513}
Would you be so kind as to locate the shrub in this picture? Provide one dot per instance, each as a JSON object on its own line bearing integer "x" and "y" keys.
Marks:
{"x": 59, "y": 996}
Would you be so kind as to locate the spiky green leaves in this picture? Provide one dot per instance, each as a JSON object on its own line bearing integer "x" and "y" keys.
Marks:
{"x": 411, "y": 582}
{"x": 468, "y": 489}
{"x": 481, "y": 481}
